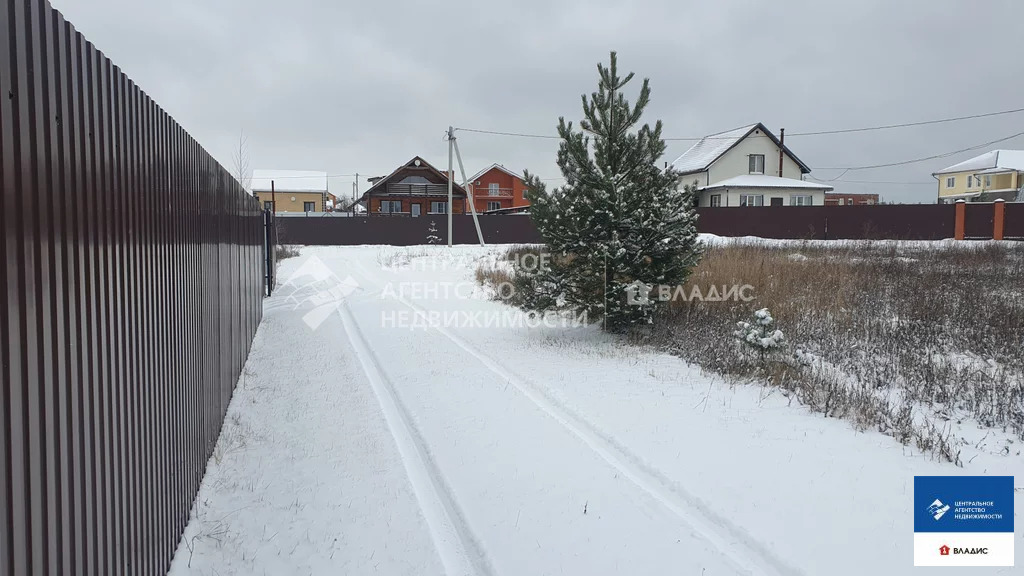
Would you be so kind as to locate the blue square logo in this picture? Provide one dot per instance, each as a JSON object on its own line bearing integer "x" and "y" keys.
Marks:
{"x": 963, "y": 504}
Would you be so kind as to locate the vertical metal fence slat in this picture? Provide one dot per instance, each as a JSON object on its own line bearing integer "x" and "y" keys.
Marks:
{"x": 73, "y": 191}
{"x": 8, "y": 287}
{"x": 90, "y": 376}
{"x": 20, "y": 316}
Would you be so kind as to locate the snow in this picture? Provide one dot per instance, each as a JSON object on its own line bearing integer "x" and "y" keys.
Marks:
{"x": 764, "y": 181}
{"x": 370, "y": 447}
{"x": 716, "y": 240}
{"x": 1003, "y": 159}
{"x": 289, "y": 181}
{"x": 708, "y": 149}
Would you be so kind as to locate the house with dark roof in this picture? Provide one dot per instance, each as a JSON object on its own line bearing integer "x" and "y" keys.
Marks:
{"x": 741, "y": 167}
{"x": 995, "y": 175}
{"x": 414, "y": 189}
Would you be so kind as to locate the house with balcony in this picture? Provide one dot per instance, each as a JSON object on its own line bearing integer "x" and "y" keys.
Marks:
{"x": 991, "y": 176}
{"x": 291, "y": 190}
{"x": 747, "y": 166}
{"x": 497, "y": 188}
{"x": 414, "y": 189}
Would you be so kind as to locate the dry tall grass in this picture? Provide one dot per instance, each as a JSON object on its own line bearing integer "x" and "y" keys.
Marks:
{"x": 898, "y": 337}
{"x": 876, "y": 331}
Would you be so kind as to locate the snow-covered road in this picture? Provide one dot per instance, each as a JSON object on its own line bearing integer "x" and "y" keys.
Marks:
{"x": 361, "y": 440}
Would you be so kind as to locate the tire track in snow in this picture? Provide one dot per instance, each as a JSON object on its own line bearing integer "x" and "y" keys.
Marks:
{"x": 742, "y": 549}
{"x": 459, "y": 550}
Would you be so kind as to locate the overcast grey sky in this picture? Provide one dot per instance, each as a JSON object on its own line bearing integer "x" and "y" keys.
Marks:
{"x": 364, "y": 86}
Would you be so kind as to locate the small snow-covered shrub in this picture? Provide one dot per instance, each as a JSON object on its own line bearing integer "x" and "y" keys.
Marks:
{"x": 432, "y": 237}
{"x": 284, "y": 252}
{"x": 761, "y": 334}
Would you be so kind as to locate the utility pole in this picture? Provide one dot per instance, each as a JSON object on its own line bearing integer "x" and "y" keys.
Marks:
{"x": 782, "y": 148}
{"x": 273, "y": 198}
{"x": 451, "y": 143}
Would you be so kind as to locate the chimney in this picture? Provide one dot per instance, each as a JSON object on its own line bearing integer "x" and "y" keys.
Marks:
{"x": 782, "y": 148}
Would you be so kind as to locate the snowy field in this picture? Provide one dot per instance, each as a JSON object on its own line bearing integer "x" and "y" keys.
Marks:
{"x": 363, "y": 440}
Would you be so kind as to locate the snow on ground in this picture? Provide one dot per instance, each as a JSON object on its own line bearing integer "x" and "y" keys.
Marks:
{"x": 376, "y": 443}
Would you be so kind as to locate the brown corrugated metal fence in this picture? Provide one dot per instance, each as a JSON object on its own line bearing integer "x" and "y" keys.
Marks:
{"x": 131, "y": 286}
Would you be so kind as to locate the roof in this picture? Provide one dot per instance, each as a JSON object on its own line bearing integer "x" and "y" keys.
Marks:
{"x": 456, "y": 189}
{"x": 492, "y": 167}
{"x": 509, "y": 210}
{"x": 289, "y": 181}
{"x": 710, "y": 148}
{"x": 764, "y": 181}
{"x": 991, "y": 162}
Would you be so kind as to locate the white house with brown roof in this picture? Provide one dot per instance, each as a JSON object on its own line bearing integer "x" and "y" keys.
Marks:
{"x": 740, "y": 167}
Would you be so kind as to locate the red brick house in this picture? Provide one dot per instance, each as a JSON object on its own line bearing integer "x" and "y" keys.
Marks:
{"x": 835, "y": 199}
{"x": 497, "y": 188}
{"x": 415, "y": 189}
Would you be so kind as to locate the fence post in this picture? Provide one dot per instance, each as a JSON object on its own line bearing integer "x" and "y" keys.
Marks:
{"x": 997, "y": 222}
{"x": 958, "y": 226}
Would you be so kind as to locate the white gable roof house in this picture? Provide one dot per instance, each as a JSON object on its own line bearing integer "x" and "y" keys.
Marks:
{"x": 740, "y": 167}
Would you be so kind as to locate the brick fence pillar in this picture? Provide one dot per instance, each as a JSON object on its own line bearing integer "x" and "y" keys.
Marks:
{"x": 958, "y": 226}
{"x": 999, "y": 220}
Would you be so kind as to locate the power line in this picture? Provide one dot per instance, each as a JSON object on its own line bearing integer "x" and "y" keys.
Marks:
{"x": 814, "y": 133}
{"x": 846, "y": 169}
{"x": 907, "y": 124}
{"x": 507, "y": 133}
{"x": 885, "y": 182}
{"x": 309, "y": 177}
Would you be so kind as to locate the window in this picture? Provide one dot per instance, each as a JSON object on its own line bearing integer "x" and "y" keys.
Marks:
{"x": 988, "y": 181}
{"x": 716, "y": 200}
{"x": 492, "y": 189}
{"x": 525, "y": 190}
{"x": 977, "y": 181}
{"x": 416, "y": 207}
{"x": 268, "y": 205}
{"x": 309, "y": 206}
{"x": 438, "y": 207}
{"x": 756, "y": 163}
{"x": 801, "y": 200}
{"x": 493, "y": 205}
{"x": 951, "y": 182}
{"x": 390, "y": 206}
{"x": 751, "y": 200}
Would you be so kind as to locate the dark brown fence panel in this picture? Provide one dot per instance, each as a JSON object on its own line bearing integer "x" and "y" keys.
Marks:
{"x": 130, "y": 290}
{"x": 1013, "y": 221}
{"x": 895, "y": 222}
{"x": 404, "y": 231}
{"x": 890, "y": 222}
{"x": 979, "y": 220}
{"x": 800, "y": 222}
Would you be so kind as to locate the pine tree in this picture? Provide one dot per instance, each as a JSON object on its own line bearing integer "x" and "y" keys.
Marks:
{"x": 432, "y": 237}
{"x": 619, "y": 218}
